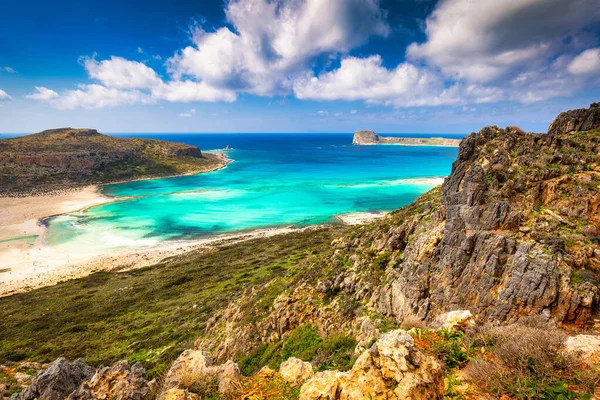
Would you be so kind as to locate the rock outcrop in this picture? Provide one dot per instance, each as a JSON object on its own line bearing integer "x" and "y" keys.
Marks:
{"x": 370, "y": 137}
{"x": 119, "y": 382}
{"x": 295, "y": 371}
{"x": 57, "y": 382}
{"x": 582, "y": 119}
{"x": 393, "y": 368}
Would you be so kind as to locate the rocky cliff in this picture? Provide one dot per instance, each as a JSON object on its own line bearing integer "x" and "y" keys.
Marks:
{"x": 63, "y": 158}
{"x": 370, "y": 137}
{"x": 512, "y": 232}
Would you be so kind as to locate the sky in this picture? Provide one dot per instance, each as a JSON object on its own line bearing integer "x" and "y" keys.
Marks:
{"x": 394, "y": 66}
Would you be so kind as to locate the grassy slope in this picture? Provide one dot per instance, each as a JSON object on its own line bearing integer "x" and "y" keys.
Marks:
{"x": 150, "y": 314}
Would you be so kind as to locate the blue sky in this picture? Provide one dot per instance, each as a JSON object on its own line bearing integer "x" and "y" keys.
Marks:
{"x": 414, "y": 66}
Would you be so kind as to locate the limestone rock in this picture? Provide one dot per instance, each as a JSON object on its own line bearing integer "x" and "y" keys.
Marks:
{"x": 178, "y": 394}
{"x": 227, "y": 375}
{"x": 295, "y": 371}
{"x": 454, "y": 320}
{"x": 119, "y": 382}
{"x": 587, "y": 346}
{"x": 189, "y": 362}
{"x": 393, "y": 368}
{"x": 325, "y": 385}
{"x": 583, "y": 119}
{"x": 58, "y": 381}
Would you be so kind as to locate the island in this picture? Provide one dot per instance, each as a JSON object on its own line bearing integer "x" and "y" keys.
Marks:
{"x": 370, "y": 138}
{"x": 66, "y": 158}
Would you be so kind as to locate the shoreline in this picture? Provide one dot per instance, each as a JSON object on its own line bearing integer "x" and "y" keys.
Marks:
{"x": 57, "y": 267}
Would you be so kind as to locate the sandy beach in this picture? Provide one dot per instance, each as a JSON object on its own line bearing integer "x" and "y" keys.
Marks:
{"x": 27, "y": 262}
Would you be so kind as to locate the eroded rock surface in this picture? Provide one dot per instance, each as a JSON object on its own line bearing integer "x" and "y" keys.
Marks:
{"x": 119, "y": 382}
{"x": 393, "y": 368}
{"x": 582, "y": 119}
{"x": 57, "y": 382}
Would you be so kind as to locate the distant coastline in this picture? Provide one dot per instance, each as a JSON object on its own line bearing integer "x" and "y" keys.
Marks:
{"x": 367, "y": 138}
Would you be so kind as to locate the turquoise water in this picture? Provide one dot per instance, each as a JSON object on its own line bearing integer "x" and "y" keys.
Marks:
{"x": 275, "y": 180}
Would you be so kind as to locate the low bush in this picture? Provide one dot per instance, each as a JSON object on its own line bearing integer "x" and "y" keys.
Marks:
{"x": 527, "y": 361}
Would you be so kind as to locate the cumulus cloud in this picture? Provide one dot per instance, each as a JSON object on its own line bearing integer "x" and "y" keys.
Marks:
{"x": 97, "y": 96}
{"x": 42, "y": 93}
{"x": 4, "y": 96}
{"x": 586, "y": 63}
{"x": 367, "y": 79}
{"x": 121, "y": 73}
{"x": 274, "y": 41}
{"x": 483, "y": 40}
{"x": 126, "y": 82}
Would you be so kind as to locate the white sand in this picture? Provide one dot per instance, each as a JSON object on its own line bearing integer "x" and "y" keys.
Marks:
{"x": 360, "y": 218}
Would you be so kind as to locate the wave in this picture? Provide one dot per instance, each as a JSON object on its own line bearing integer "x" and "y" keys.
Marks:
{"x": 428, "y": 181}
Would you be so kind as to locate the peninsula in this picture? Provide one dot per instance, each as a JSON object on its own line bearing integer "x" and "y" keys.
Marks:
{"x": 67, "y": 158}
{"x": 370, "y": 137}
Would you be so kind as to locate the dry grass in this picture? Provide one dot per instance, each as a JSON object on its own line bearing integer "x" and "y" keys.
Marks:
{"x": 412, "y": 321}
{"x": 527, "y": 361}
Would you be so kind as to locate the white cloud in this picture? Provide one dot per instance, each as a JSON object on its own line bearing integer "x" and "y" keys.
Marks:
{"x": 586, "y": 63}
{"x": 188, "y": 91}
{"x": 188, "y": 114}
{"x": 10, "y": 70}
{"x": 4, "y": 96}
{"x": 353, "y": 112}
{"x": 367, "y": 79}
{"x": 486, "y": 39}
{"x": 274, "y": 41}
{"x": 140, "y": 50}
{"x": 122, "y": 74}
{"x": 323, "y": 113}
{"x": 97, "y": 96}
{"x": 42, "y": 93}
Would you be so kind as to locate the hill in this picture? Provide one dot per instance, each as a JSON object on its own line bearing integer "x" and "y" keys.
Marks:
{"x": 487, "y": 280}
{"x": 59, "y": 159}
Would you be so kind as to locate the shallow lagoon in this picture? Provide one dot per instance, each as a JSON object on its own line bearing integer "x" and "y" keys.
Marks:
{"x": 275, "y": 180}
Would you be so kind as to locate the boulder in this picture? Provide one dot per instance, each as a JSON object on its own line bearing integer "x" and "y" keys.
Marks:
{"x": 454, "y": 320}
{"x": 587, "y": 346}
{"x": 393, "y": 368}
{"x": 228, "y": 375}
{"x": 58, "y": 381}
{"x": 178, "y": 394}
{"x": 295, "y": 371}
{"x": 189, "y": 362}
{"x": 325, "y": 385}
{"x": 119, "y": 382}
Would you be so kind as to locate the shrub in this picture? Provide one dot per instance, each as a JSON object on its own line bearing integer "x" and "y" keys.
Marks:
{"x": 527, "y": 361}
{"x": 336, "y": 352}
{"x": 381, "y": 261}
{"x": 302, "y": 343}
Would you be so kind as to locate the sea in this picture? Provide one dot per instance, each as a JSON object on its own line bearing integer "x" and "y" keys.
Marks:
{"x": 274, "y": 180}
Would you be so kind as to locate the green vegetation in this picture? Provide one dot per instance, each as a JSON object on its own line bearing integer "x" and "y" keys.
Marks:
{"x": 304, "y": 342}
{"x": 150, "y": 314}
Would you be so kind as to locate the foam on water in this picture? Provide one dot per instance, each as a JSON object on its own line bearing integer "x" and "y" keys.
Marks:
{"x": 275, "y": 180}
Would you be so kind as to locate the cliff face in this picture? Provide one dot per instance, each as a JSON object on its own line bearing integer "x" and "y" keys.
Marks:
{"x": 583, "y": 119}
{"x": 63, "y": 158}
{"x": 370, "y": 137}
